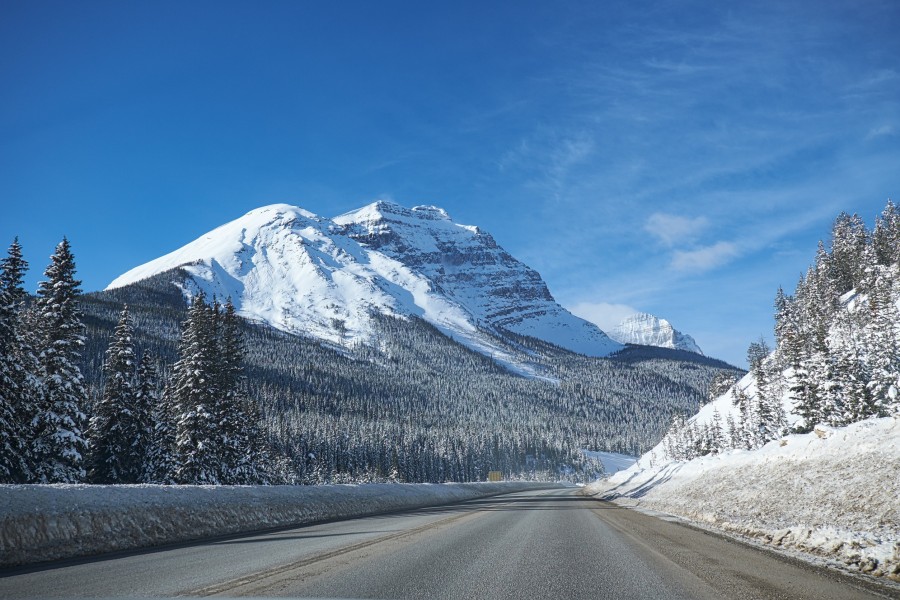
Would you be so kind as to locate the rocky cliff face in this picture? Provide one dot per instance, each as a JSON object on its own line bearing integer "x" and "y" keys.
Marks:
{"x": 323, "y": 277}
{"x": 649, "y": 330}
{"x": 469, "y": 268}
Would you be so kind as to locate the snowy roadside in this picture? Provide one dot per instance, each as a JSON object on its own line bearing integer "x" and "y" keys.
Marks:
{"x": 49, "y": 522}
{"x": 832, "y": 495}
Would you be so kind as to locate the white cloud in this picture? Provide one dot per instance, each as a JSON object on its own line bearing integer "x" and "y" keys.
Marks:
{"x": 883, "y": 130}
{"x": 704, "y": 259}
{"x": 673, "y": 230}
{"x": 603, "y": 314}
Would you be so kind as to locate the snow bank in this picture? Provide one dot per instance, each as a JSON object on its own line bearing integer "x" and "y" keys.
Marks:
{"x": 833, "y": 494}
{"x": 48, "y": 522}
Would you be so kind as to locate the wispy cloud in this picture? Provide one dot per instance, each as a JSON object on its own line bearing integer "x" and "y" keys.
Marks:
{"x": 704, "y": 259}
{"x": 548, "y": 157}
{"x": 887, "y": 129}
{"x": 672, "y": 230}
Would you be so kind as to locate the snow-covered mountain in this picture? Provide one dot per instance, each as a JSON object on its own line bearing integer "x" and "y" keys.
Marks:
{"x": 323, "y": 277}
{"x": 649, "y": 330}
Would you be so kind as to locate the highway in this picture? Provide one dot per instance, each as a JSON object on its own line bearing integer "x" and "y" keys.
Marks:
{"x": 546, "y": 544}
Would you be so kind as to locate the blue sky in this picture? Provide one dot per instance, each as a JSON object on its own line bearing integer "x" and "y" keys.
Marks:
{"x": 679, "y": 158}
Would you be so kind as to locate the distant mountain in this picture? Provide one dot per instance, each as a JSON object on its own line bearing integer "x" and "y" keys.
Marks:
{"x": 388, "y": 344}
{"x": 326, "y": 278}
{"x": 649, "y": 330}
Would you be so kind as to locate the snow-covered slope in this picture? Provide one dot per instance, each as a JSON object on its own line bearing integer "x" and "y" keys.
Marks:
{"x": 831, "y": 494}
{"x": 316, "y": 276}
{"x": 803, "y": 452}
{"x": 649, "y": 330}
{"x": 470, "y": 269}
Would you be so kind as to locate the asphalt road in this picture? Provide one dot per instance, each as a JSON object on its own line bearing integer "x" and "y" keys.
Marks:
{"x": 547, "y": 544}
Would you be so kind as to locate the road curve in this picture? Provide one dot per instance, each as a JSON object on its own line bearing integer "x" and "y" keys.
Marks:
{"x": 548, "y": 544}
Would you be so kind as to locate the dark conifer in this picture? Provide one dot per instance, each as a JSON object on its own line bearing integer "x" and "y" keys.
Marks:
{"x": 59, "y": 443}
{"x": 146, "y": 400}
{"x": 197, "y": 440}
{"x": 17, "y": 372}
{"x": 113, "y": 424}
{"x": 886, "y": 236}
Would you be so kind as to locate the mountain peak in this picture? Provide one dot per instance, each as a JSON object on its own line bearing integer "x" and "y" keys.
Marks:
{"x": 431, "y": 212}
{"x": 650, "y": 330}
{"x": 387, "y": 210}
{"x": 323, "y": 277}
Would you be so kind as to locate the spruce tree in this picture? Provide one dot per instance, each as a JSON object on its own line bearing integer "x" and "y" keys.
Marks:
{"x": 241, "y": 441}
{"x": 197, "y": 440}
{"x": 849, "y": 238}
{"x": 882, "y": 347}
{"x": 886, "y": 236}
{"x": 232, "y": 441}
{"x": 161, "y": 460}
{"x": 16, "y": 382}
{"x": 146, "y": 400}
{"x": 112, "y": 427}
{"x": 59, "y": 443}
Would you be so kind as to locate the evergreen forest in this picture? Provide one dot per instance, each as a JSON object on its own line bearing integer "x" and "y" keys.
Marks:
{"x": 133, "y": 385}
{"x": 836, "y": 359}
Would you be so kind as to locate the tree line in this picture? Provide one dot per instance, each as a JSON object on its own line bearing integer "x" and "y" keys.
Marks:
{"x": 160, "y": 385}
{"x": 198, "y": 427}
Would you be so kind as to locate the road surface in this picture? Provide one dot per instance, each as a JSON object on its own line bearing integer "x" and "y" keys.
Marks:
{"x": 546, "y": 544}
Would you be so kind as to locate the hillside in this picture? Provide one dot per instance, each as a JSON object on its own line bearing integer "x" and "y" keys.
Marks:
{"x": 419, "y": 406}
{"x": 802, "y": 452}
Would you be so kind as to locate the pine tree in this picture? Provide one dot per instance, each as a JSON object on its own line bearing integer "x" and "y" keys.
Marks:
{"x": 232, "y": 441}
{"x": 197, "y": 440}
{"x": 717, "y": 440}
{"x": 146, "y": 400}
{"x": 113, "y": 425}
{"x": 748, "y": 424}
{"x": 59, "y": 444}
{"x": 161, "y": 459}
{"x": 886, "y": 236}
{"x": 849, "y": 238}
{"x": 882, "y": 347}
{"x": 241, "y": 441}
{"x": 16, "y": 383}
{"x": 735, "y": 437}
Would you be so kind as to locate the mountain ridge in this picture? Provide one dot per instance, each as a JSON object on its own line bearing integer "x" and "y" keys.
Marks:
{"x": 307, "y": 274}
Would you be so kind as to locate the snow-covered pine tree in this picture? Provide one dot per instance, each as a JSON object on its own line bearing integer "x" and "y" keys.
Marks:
{"x": 886, "y": 236}
{"x": 735, "y": 435}
{"x": 113, "y": 427}
{"x": 161, "y": 465}
{"x": 881, "y": 344}
{"x": 241, "y": 441}
{"x": 852, "y": 370}
{"x": 849, "y": 238}
{"x": 717, "y": 440}
{"x": 59, "y": 443}
{"x": 232, "y": 442}
{"x": 197, "y": 448}
{"x": 146, "y": 400}
{"x": 16, "y": 382}
{"x": 746, "y": 424}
